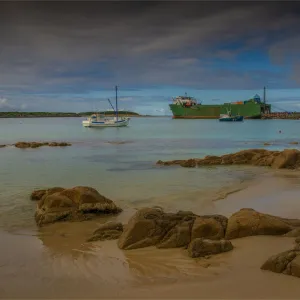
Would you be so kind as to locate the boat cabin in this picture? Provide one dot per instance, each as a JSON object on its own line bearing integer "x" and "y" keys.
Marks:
{"x": 185, "y": 101}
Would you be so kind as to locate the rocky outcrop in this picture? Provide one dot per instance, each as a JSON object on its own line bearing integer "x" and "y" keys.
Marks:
{"x": 2, "y": 146}
{"x": 107, "y": 231}
{"x": 38, "y": 194}
{"x": 201, "y": 247}
{"x": 287, "y": 262}
{"x": 248, "y": 222}
{"x": 75, "y": 204}
{"x": 24, "y": 145}
{"x": 154, "y": 227}
{"x": 286, "y": 159}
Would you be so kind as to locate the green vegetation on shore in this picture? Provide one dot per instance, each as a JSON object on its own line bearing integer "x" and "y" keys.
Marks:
{"x": 16, "y": 114}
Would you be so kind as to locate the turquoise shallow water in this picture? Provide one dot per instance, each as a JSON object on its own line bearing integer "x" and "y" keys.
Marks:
{"x": 127, "y": 172}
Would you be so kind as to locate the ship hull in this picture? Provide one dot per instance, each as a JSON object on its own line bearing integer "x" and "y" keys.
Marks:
{"x": 249, "y": 110}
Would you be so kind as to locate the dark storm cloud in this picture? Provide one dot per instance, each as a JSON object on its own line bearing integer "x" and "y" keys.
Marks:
{"x": 81, "y": 46}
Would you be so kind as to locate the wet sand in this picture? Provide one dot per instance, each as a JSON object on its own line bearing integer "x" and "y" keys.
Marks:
{"x": 56, "y": 262}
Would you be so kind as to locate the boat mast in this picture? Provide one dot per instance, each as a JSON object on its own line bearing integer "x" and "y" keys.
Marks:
{"x": 264, "y": 99}
{"x": 117, "y": 102}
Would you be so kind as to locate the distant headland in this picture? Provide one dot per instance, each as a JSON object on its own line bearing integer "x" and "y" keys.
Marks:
{"x": 16, "y": 114}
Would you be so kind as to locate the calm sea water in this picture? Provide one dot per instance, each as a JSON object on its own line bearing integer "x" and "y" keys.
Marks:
{"x": 127, "y": 172}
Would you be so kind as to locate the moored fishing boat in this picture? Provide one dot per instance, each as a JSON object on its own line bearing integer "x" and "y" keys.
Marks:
{"x": 99, "y": 120}
{"x": 229, "y": 118}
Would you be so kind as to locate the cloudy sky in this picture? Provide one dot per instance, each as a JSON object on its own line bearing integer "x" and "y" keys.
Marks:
{"x": 68, "y": 56}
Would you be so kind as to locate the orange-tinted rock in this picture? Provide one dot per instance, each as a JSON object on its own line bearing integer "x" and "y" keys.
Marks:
{"x": 248, "y": 222}
{"x": 288, "y": 159}
{"x": 78, "y": 203}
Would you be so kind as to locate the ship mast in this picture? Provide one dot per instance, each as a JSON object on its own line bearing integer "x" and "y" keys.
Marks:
{"x": 264, "y": 100}
{"x": 117, "y": 102}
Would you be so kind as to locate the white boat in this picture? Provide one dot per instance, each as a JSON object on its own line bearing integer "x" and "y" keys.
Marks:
{"x": 100, "y": 120}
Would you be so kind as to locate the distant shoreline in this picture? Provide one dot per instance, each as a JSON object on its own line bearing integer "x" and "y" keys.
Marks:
{"x": 20, "y": 115}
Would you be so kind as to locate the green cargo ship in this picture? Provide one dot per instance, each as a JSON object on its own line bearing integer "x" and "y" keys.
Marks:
{"x": 185, "y": 107}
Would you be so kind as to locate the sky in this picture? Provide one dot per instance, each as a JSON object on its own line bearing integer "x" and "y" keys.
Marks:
{"x": 69, "y": 55}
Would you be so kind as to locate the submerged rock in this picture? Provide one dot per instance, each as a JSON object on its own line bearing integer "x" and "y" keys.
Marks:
{"x": 75, "y": 204}
{"x": 107, "y": 231}
{"x": 58, "y": 144}
{"x": 201, "y": 247}
{"x": 286, "y": 159}
{"x": 24, "y": 145}
{"x": 248, "y": 222}
{"x": 118, "y": 142}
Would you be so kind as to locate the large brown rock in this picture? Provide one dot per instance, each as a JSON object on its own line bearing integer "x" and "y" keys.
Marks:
{"x": 107, "y": 231}
{"x": 287, "y": 262}
{"x": 78, "y": 203}
{"x": 248, "y": 222}
{"x": 288, "y": 159}
{"x": 149, "y": 227}
{"x": 154, "y": 227}
{"x": 201, "y": 247}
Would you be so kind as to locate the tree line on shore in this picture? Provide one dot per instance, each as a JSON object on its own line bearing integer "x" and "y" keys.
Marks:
{"x": 15, "y": 114}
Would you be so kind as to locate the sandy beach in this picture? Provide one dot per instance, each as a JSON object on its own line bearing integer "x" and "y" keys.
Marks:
{"x": 57, "y": 262}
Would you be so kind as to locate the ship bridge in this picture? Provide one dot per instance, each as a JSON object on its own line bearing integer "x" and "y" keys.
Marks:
{"x": 184, "y": 101}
